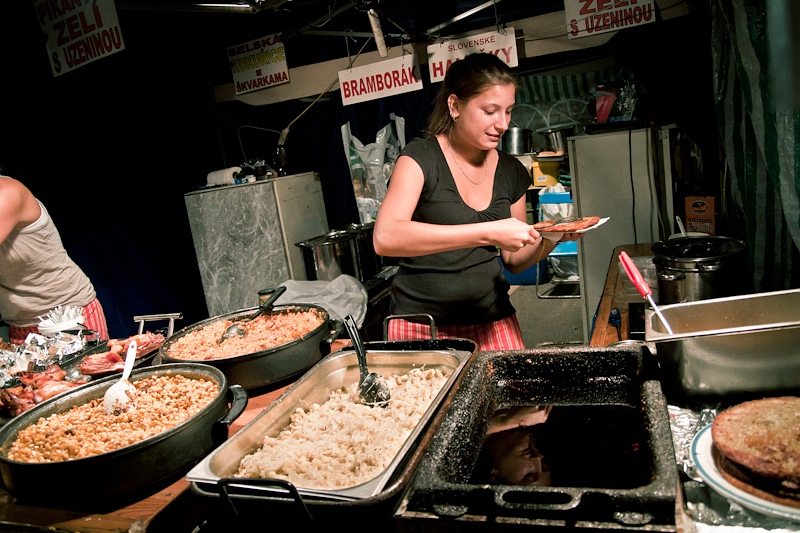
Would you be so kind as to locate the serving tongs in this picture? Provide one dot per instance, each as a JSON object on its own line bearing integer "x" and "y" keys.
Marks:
{"x": 641, "y": 285}
{"x": 236, "y": 331}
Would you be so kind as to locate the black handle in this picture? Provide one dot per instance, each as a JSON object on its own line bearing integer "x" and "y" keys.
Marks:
{"x": 352, "y": 330}
{"x": 293, "y": 494}
{"x": 219, "y": 432}
{"x": 326, "y": 344}
{"x": 266, "y": 307}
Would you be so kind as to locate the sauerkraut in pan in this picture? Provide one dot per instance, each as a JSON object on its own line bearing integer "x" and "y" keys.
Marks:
{"x": 263, "y": 333}
{"x": 342, "y": 442}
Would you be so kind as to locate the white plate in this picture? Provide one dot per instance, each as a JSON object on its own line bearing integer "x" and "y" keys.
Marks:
{"x": 703, "y": 456}
{"x": 590, "y": 228}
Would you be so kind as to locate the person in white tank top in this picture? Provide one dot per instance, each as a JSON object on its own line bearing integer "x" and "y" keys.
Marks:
{"x": 36, "y": 273}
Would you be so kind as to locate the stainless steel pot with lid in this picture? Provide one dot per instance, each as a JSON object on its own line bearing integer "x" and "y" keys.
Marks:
{"x": 329, "y": 256}
{"x": 699, "y": 268}
{"x": 369, "y": 263}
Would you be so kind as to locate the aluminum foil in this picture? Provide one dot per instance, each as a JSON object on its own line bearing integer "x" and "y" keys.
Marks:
{"x": 37, "y": 353}
{"x": 711, "y": 511}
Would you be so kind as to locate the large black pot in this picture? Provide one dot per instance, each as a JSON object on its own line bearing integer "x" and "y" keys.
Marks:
{"x": 129, "y": 473}
{"x": 265, "y": 367}
{"x": 691, "y": 269}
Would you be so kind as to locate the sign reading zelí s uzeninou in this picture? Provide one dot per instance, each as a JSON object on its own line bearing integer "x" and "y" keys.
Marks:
{"x": 442, "y": 55}
{"x": 78, "y": 32}
{"x": 376, "y": 80}
{"x": 258, "y": 64}
{"x": 590, "y": 17}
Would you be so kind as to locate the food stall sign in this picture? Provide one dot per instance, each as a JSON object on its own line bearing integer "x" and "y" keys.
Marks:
{"x": 590, "y": 17}
{"x": 442, "y": 55}
{"x": 258, "y": 64}
{"x": 376, "y": 80}
{"x": 78, "y": 33}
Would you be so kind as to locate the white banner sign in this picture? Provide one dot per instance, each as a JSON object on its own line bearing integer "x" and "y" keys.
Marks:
{"x": 78, "y": 33}
{"x": 258, "y": 64}
{"x": 589, "y": 17}
{"x": 376, "y": 80}
{"x": 442, "y": 55}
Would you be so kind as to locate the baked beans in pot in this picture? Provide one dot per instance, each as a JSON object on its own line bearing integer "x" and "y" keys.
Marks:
{"x": 127, "y": 472}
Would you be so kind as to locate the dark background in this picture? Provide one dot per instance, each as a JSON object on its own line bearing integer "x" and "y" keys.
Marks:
{"x": 112, "y": 147}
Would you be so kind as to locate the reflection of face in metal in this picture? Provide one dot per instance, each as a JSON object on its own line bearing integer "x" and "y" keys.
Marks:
{"x": 516, "y": 459}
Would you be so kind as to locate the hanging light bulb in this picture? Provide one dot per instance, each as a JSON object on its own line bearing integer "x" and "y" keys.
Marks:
{"x": 378, "y": 32}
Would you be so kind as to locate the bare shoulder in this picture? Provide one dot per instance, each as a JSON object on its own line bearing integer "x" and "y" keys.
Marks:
{"x": 18, "y": 206}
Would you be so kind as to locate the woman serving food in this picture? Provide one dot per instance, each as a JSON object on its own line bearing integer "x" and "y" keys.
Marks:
{"x": 452, "y": 201}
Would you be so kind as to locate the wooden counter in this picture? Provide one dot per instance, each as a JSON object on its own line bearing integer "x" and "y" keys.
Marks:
{"x": 170, "y": 510}
{"x": 604, "y": 333}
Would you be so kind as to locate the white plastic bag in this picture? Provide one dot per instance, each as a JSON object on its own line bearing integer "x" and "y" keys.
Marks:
{"x": 565, "y": 268}
{"x": 343, "y": 296}
{"x": 371, "y": 164}
{"x": 555, "y": 211}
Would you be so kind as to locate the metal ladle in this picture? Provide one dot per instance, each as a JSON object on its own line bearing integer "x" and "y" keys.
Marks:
{"x": 235, "y": 330}
{"x": 372, "y": 388}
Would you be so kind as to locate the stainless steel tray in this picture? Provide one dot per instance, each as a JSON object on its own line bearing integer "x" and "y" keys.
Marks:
{"x": 335, "y": 371}
{"x": 733, "y": 345}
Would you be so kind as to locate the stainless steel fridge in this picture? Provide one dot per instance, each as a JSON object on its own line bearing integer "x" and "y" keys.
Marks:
{"x": 244, "y": 236}
{"x": 624, "y": 175}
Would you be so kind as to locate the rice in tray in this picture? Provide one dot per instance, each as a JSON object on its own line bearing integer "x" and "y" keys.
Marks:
{"x": 342, "y": 442}
{"x": 263, "y": 333}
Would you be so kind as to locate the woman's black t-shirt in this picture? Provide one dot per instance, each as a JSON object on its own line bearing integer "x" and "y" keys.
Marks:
{"x": 464, "y": 286}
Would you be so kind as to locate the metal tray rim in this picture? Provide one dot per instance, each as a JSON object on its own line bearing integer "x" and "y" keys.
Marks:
{"x": 654, "y": 324}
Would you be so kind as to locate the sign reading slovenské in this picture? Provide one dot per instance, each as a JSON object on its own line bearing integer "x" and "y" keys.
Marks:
{"x": 78, "y": 33}
{"x": 258, "y": 64}
{"x": 442, "y": 55}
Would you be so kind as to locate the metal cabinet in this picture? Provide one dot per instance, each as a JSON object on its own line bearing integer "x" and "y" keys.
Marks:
{"x": 244, "y": 236}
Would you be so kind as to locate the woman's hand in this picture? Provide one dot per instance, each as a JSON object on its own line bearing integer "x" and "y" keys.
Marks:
{"x": 512, "y": 235}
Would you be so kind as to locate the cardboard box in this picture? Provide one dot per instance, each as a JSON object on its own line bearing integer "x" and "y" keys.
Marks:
{"x": 544, "y": 174}
{"x": 700, "y": 214}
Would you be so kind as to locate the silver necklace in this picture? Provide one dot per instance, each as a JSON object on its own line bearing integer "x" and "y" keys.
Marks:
{"x": 485, "y": 164}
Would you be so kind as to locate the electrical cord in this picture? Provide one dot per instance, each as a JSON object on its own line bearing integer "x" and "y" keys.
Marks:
{"x": 285, "y": 131}
{"x": 630, "y": 173}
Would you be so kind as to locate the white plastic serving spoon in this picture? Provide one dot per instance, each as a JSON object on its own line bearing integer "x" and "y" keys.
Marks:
{"x": 121, "y": 396}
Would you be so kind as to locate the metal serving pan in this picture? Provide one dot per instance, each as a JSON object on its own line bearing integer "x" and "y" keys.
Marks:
{"x": 733, "y": 347}
{"x": 335, "y": 371}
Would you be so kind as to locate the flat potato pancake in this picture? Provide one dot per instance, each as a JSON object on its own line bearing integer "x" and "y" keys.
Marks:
{"x": 569, "y": 227}
{"x": 757, "y": 447}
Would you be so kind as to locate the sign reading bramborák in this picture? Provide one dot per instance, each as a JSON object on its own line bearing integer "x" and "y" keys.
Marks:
{"x": 376, "y": 80}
